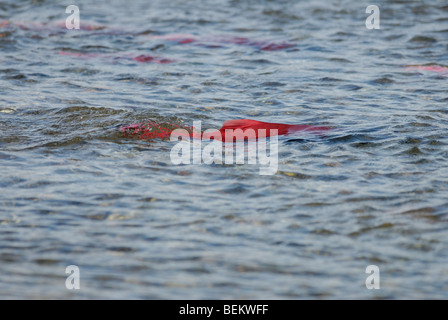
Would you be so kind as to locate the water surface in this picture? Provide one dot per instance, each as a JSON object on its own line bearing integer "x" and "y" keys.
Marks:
{"x": 74, "y": 191}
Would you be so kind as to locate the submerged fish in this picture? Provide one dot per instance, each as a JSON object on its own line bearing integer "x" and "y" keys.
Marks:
{"x": 139, "y": 58}
{"x": 207, "y": 41}
{"x": 259, "y": 44}
{"x": 429, "y": 67}
{"x": 232, "y": 130}
{"x": 58, "y": 26}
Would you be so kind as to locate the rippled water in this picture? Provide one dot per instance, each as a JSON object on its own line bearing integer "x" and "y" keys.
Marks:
{"x": 74, "y": 191}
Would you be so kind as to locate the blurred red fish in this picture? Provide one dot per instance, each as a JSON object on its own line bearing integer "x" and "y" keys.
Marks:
{"x": 207, "y": 41}
{"x": 260, "y": 44}
{"x": 429, "y": 67}
{"x": 140, "y": 58}
{"x": 51, "y": 26}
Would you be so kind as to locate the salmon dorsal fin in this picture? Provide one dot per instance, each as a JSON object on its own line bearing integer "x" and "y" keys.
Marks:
{"x": 245, "y": 124}
{"x": 240, "y": 124}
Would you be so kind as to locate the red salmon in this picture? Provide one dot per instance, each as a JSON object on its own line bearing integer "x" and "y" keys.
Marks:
{"x": 232, "y": 130}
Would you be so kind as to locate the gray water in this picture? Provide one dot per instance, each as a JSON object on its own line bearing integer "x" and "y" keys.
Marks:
{"x": 75, "y": 191}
